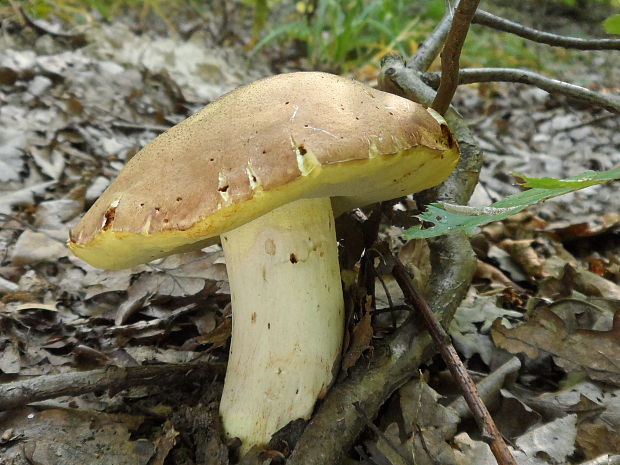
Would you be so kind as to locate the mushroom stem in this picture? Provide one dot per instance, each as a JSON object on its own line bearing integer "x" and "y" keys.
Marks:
{"x": 288, "y": 317}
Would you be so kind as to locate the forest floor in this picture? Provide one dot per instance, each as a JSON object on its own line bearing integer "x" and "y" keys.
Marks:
{"x": 74, "y": 108}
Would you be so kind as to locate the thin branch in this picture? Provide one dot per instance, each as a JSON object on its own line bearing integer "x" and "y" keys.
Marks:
{"x": 451, "y": 54}
{"x": 430, "y": 48}
{"x": 553, "y": 86}
{"x": 19, "y": 393}
{"x": 489, "y": 387}
{"x": 487, "y": 19}
{"x": 442, "y": 341}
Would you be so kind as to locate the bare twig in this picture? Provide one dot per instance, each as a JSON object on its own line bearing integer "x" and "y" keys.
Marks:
{"x": 488, "y": 387}
{"x": 487, "y": 19}
{"x": 553, "y": 86}
{"x": 430, "y": 48}
{"x": 25, "y": 224}
{"x": 19, "y": 393}
{"x": 442, "y": 341}
{"x": 451, "y": 53}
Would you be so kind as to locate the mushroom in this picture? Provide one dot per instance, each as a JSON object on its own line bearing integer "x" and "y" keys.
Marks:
{"x": 265, "y": 168}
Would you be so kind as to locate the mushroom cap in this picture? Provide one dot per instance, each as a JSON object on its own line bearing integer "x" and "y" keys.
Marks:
{"x": 283, "y": 138}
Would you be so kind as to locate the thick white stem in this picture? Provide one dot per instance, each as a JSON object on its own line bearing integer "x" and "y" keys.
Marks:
{"x": 288, "y": 318}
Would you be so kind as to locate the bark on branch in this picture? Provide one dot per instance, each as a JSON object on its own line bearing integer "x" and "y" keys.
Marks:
{"x": 553, "y": 86}
{"x": 451, "y": 54}
{"x": 489, "y": 387}
{"x": 113, "y": 378}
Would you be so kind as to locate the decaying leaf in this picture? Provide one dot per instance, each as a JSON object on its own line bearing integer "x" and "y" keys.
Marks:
{"x": 219, "y": 335}
{"x": 473, "y": 452}
{"x": 555, "y": 439}
{"x": 522, "y": 253}
{"x": 597, "y": 439}
{"x": 164, "y": 444}
{"x": 9, "y": 357}
{"x": 566, "y": 278}
{"x": 427, "y": 424}
{"x": 472, "y": 322}
{"x": 595, "y": 352}
{"x": 73, "y": 437}
{"x": 23, "y": 196}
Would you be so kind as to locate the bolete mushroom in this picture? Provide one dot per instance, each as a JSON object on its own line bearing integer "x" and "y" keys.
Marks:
{"x": 262, "y": 167}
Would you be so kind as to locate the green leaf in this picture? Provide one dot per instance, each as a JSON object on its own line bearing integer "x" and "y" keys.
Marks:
{"x": 612, "y": 24}
{"x": 447, "y": 218}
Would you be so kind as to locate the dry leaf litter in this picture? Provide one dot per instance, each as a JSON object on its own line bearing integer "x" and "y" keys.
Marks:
{"x": 546, "y": 287}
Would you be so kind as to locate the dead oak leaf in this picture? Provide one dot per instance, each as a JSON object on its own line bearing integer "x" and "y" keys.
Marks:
{"x": 596, "y": 352}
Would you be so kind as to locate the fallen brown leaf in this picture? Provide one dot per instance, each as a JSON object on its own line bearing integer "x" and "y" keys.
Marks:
{"x": 596, "y": 352}
{"x": 596, "y": 439}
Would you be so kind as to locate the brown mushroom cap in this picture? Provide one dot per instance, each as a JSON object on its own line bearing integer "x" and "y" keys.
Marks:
{"x": 282, "y": 138}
